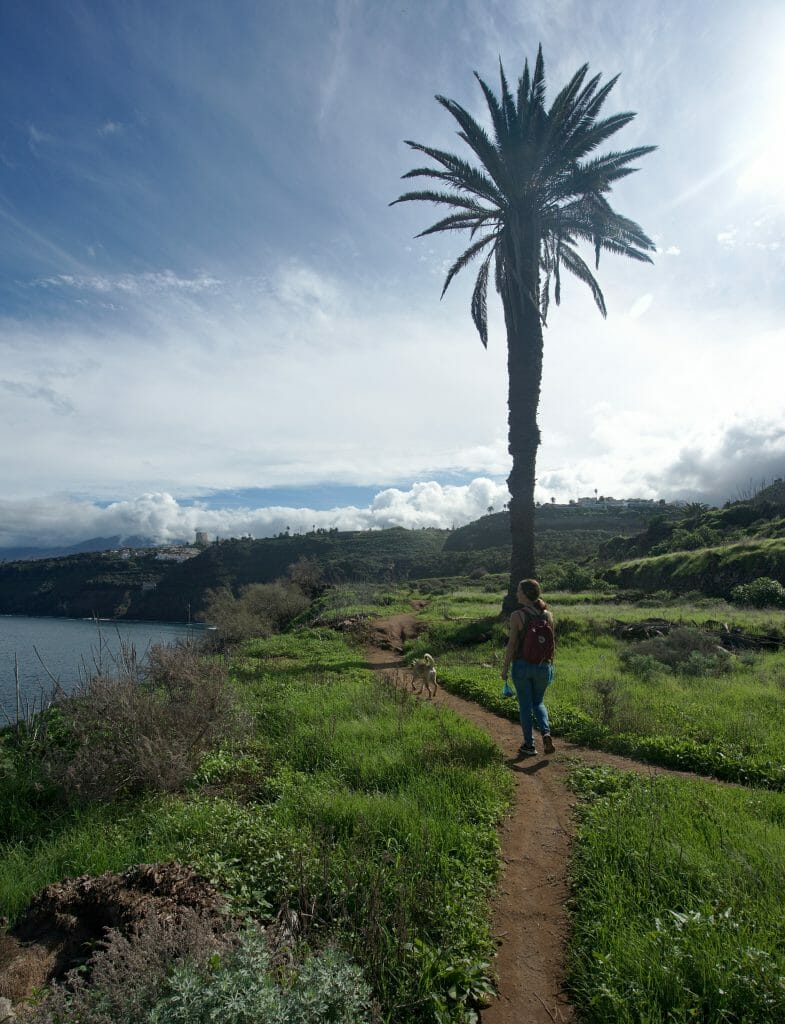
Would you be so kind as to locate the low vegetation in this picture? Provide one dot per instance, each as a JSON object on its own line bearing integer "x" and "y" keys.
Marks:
{"x": 677, "y": 901}
{"x": 184, "y": 974}
{"x": 260, "y": 609}
{"x": 354, "y": 830}
{"x": 682, "y": 701}
{"x": 321, "y": 814}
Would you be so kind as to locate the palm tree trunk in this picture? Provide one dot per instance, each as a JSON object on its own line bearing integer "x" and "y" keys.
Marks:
{"x": 520, "y": 297}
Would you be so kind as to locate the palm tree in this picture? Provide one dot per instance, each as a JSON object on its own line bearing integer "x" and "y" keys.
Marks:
{"x": 535, "y": 194}
{"x": 693, "y": 514}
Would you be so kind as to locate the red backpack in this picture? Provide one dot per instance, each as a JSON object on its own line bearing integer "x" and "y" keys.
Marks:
{"x": 538, "y": 642}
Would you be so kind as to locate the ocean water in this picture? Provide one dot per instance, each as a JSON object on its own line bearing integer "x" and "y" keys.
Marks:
{"x": 68, "y": 650}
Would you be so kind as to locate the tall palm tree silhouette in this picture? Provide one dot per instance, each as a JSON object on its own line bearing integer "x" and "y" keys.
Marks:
{"x": 535, "y": 193}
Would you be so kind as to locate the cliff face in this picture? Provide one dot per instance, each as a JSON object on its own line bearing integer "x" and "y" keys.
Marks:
{"x": 78, "y": 586}
{"x": 108, "y": 585}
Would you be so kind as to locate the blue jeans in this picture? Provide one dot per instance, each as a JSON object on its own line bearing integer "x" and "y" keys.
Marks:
{"x": 531, "y": 682}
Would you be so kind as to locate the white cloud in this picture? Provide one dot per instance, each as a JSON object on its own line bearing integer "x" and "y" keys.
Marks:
{"x": 132, "y": 284}
{"x": 731, "y": 464}
{"x": 109, "y": 128}
{"x": 36, "y": 137}
{"x": 160, "y": 517}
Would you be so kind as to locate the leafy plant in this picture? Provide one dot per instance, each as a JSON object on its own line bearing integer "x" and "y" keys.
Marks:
{"x": 762, "y": 592}
{"x": 241, "y": 985}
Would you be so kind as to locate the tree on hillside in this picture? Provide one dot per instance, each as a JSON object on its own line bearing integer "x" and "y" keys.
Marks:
{"x": 693, "y": 514}
{"x": 534, "y": 195}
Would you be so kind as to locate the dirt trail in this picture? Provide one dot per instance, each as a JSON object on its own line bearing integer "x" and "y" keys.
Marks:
{"x": 530, "y": 919}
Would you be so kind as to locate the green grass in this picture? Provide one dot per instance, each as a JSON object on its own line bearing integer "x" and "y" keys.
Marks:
{"x": 677, "y": 902}
{"x": 372, "y": 815}
{"x": 360, "y": 599}
{"x": 730, "y": 725}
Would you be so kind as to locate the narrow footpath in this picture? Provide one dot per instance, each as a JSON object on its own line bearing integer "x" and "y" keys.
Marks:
{"x": 530, "y": 920}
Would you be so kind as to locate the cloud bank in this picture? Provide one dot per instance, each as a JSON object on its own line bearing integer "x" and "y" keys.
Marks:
{"x": 160, "y": 517}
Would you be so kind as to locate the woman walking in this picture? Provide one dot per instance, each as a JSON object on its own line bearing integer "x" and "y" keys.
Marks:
{"x": 530, "y": 652}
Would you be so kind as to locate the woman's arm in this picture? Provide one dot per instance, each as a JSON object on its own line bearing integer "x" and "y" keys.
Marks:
{"x": 512, "y": 643}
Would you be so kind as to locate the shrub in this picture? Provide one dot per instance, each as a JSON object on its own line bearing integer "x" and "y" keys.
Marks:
{"x": 242, "y": 986}
{"x": 307, "y": 574}
{"x": 642, "y": 666}
{"x": 260, "y": 610}
{"x": 143, "y": 728}
{"x": 573, "y": 577}
{"x": 181, "y": 973}
{"x": 763, "y": 592}
{"x": 689, "y": 651}
{"x": 128, "y": 973}
{"x": 607, "y": 696}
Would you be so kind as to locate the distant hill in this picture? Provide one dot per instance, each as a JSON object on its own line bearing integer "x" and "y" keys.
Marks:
{"x": 710, "y": 550}
{"x": 140, "y": 585}
{"x": 16, "y": 554}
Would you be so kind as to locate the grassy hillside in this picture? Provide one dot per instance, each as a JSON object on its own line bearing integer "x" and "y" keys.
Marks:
{"x": 319, "y": 814}
{"x": 141, "y": 587}
{"x": 714, "y": 571}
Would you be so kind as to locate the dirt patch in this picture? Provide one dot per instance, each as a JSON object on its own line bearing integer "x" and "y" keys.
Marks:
{"x": 61, "y": 927}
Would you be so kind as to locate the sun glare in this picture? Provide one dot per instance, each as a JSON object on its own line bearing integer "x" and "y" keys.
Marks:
{"x": 766, "y": 148}
{"x": 764, "y": 172}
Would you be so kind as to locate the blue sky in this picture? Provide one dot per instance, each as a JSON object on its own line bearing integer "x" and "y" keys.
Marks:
{"x": 210, "y": 317}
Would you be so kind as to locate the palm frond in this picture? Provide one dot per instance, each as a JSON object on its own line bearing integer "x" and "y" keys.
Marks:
{"x": 479, "y": 306}
{"x": 524, "y": 88}
{"x": 545, "y": 298}
{"x": 595, "y": 175}
{"x": 563, "y": 102}
{"x": 584, "y": 142}
{"x": 498, "y": 118}
{"x": 466, "y": 257}
{"x": 455, "y": 222}
{"x": 461, "y": 173}
{"x": 448, "y": 199}
{"x": 573, "y": 262}
{"x": 508, "y": 103}
{"x": 538, "y": 80}
{"x": 592, "y": 218}
{"x": 476, "y": 137}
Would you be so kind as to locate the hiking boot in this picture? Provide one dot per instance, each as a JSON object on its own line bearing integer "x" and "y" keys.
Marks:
{"x": 527, "y": 750}
{"x": 547, "y": 744}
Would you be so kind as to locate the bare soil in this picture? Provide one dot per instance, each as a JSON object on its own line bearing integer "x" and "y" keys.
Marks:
{"x": 530, "y": 920}
{"x": 61, "y": 927}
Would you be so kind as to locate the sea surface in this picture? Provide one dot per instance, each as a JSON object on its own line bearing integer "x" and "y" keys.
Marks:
{"x": 69, "y": 651}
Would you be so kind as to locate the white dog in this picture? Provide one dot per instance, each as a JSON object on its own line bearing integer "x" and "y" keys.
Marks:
{"x": 424, "y": 673}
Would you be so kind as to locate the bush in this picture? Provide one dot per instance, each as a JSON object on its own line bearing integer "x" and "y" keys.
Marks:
{"x": 142, "y": 729}
{"x": 260, "y": 610}
{"x": 573, "y": 577}
{"x": 127, "y": 973}
{"x": 688, "y": 651}
{"x": 180, "y": 973}
{"x": 642, "y": 666}
{"x": 242, "y": 986}
{"x": 763, "y": 592}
